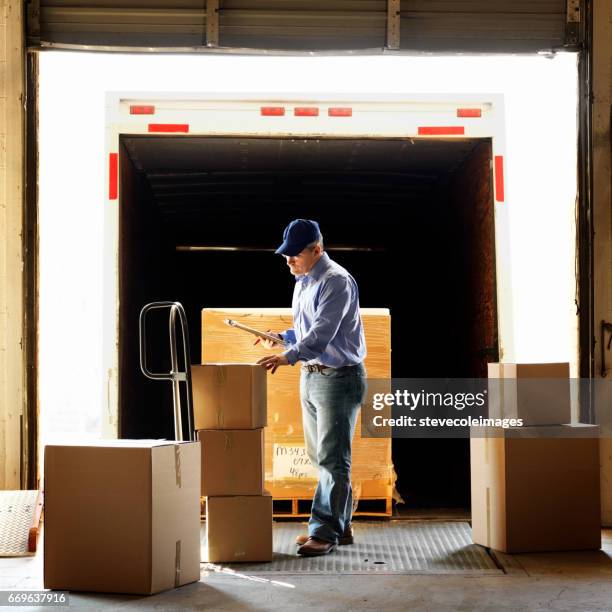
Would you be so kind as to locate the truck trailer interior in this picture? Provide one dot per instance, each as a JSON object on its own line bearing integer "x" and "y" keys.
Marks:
{"x": 411, "y": 219}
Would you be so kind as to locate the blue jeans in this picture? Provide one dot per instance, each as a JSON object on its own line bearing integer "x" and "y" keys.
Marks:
{"x": 330, "y": 403}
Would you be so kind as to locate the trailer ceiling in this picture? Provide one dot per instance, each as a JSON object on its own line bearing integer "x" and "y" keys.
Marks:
{"x": 201, "y": 183}
{"x": 319, "y": 25}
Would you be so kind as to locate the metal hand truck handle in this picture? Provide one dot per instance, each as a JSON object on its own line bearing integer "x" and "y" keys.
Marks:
{"x": 175, "y": 376}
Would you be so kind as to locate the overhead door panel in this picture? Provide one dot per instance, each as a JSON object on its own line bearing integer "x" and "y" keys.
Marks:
{"x": 302, "y": 25}
{"x": 355, "y": 24}
{"x": 482, "y": 25}
{"x": 138, "y": 23}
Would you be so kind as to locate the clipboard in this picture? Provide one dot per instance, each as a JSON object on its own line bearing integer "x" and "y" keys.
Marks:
{"x": 255, "y": 332}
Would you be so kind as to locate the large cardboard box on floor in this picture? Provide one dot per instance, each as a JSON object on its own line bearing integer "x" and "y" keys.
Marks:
{"x": 239, "y": 528}
{"x": 537, "y": 493}
{"x": 537, "y": 393}
{"x": 122, "y": 516}
{"x": 232, "y": 461}
{"x": 372, "y": 469}
{"x": 229, "y": 396}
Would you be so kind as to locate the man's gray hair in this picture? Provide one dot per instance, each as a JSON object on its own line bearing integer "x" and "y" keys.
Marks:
{"x": 312, "y": 245}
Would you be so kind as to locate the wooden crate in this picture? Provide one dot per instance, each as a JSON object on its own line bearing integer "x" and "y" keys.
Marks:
{"x": 372, "y": 470}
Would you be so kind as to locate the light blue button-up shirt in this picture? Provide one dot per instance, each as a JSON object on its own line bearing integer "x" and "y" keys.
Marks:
{"x": 327, "y": 326}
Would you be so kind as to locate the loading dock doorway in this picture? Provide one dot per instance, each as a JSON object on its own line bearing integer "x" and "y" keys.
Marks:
{"x": 411, "y": 218}
{"x": 536, "y": 321}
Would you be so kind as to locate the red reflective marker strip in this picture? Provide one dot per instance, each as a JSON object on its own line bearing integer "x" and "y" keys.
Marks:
{"x": 168, "y": 127}
{"x": 306, "y": 111}
{"x": 272, "y": 111}
{"x": 340, "y": 112}
{"x": 499, "y": 178}
{"x": 453, "y": 130}
{"x": 142, "y": 110}
{"x": 113, "y": 175}
{"x": 469, "y": 112}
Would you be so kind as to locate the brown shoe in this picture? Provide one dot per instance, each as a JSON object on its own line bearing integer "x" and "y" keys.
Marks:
{"x": 313, "y": 547}
{"x": 347, "y": 537}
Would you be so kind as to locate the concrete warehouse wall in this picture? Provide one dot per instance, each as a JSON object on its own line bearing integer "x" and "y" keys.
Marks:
{"x": 11, "y": 255}
{"x": 602, "y": 208}
{"x": 12, "y": 160}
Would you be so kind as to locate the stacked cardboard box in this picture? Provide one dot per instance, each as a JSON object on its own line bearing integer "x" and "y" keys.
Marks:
{"x": 288, "y": 474}
{"x": 535, "y": 487}
{"x": 230, "y": 415}
{"x": 122, "y": 516}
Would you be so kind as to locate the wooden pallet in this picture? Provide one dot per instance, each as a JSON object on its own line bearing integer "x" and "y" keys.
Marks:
{"x": 298, "y": 508}
{"x": 381, "y": 507}
{"x": 35, "y": 525}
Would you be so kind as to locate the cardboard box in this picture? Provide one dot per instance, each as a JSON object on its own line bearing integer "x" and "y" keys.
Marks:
{"x": 229, "y": 396}
{"x": 122, "y": 516}
{"x": 533, "y": 494}
{"x": 239, "y": 528}
{"x": 232, "y": 461}
{"x": 537, "y": 393}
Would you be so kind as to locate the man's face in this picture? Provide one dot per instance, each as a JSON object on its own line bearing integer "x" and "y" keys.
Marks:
{"x": 303, "y": 262}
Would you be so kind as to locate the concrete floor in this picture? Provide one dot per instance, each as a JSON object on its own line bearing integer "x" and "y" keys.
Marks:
{"x": 540, "y": 581}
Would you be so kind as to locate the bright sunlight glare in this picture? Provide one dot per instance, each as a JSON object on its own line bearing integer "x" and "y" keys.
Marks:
{"x": 541, "y": 136}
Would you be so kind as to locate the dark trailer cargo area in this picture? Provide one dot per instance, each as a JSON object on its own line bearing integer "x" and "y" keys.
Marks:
{"x": 411, "y": 219}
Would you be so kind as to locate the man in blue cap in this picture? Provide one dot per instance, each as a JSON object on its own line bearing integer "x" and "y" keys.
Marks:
{"x": 328, "y": 339}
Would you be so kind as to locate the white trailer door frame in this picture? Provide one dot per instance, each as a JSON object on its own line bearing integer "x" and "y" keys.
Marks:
{"x": 448, "y": 116}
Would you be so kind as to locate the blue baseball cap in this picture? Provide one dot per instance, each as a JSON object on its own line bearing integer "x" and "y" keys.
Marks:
{"x": 297, "y": 236}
